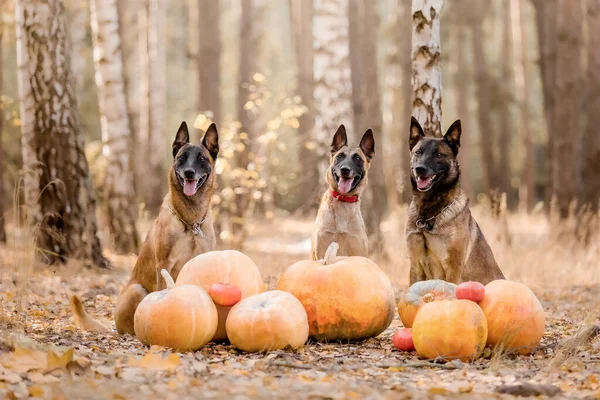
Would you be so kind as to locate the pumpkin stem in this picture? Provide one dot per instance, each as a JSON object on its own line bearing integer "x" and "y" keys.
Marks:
{"x": 167, "y": 277}
{"x": 428, "y": 297}
{"x": 331, "y": 253}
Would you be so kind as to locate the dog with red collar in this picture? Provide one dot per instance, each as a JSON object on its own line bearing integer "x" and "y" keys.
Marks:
{"x": 339, "y": 218}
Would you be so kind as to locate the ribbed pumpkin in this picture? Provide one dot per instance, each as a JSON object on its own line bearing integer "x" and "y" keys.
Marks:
{"x": 450, "y": 329}
{"x": 421, "y": 293}
{"x": 514, "y": 314}
{"x": 345, "y": 298}
{"x": 267, "y": 321}
{"x": 180, "y": 317}
{"x": 225, "y": 266}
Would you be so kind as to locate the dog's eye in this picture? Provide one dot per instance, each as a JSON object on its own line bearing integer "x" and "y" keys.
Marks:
{"x": 357, "y": 157}
{"x": 419, "y": 152}
{"x": 440, "y": 155}
{"x": 340, "y": 156}
{"x": 200, "y": 157}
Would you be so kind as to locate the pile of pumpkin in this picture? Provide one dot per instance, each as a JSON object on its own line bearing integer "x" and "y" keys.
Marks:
{"x": 220, "y": 295}
{"x": 446, "y": 321}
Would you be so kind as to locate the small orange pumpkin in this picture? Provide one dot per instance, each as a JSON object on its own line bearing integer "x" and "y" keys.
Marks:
{"x": 423, "y": 292}
{"x": 515, "y": 316}
{"x": 471, "y": 290}
{"x": 180, "y": 317}
{"x": 403, "y": 339}
{"x": 267, "y": 321}
{"x": 227, "y": 267}
{"x": 225, "y": 294}
{"x": 345, "y": 298}
{"x": 450, "y": 329}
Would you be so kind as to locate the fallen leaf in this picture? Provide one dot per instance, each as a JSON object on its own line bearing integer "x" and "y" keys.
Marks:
{"x": 438, "y": 390}
{"x": 59, "y": 362}
{"x": 38, "y": 377}
{"x": 155, "y": 360}
{"x": 36, "y": 391}
{"x": 25, "y": 359}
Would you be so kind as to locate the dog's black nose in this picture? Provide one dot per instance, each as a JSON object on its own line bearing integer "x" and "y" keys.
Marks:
{"x": 420, "y": 170}
{"x": 345, "y": 171}
{"x": 189, "y": 174}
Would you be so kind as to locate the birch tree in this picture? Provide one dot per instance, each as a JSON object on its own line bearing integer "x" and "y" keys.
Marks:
{"x": 78, "y": 24}
{"x": 208, "y": 58}
{"x": 333, "y": 86}
{"x": 426, "y": 65}
{"x": 116, "y": 135}
{"x": 2, "y": 193}
{"x": 151, "y": 20}
{"x": 60, "y": 206}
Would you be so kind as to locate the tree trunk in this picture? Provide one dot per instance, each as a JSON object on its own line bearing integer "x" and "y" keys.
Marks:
{"x": 406, "y": 90}
{"x": 301, "y": 16}
{"x": 591, "y": 140}
{"x": 482, "y": 84}
{"x": 356, "y": 43}
{"x": 60, "y": 206}
{"x": 426, "y": 65}
{"x": 506, "y": 125}
{"x": 208, "y": 58}
{"x": 333, "y": 85}
{"x": 116, "y": 135}
{"x": 526, "y": 188}
{"x": 546, "y": 13}
{"x": 462, "y": 79}
{"x": 151, "y": 22}
{"x": 568, "y": 103}
{"x": 78, "y": 25}
{"x": 2, "y": 193}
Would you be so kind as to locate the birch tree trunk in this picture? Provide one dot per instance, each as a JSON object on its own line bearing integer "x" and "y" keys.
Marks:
{"x": 60, "y": 206}
{"x": 591, "y": 139}
{"x": 356, "y": 43}
{"x": 333, "y": 86}
{"x": 567, "y": 184}
{"x": 208, "y": 58}
{"x": 462, "y": 78}
{"x": 151, "y": 20}
{"x": 483, "y": 90}
{"x": 426, "y": 65}
{"x": 78, "y": 25}
{"x": 521, "y": 71}
{"x": 301, "y": 16}
{"x": 116, "y": 135}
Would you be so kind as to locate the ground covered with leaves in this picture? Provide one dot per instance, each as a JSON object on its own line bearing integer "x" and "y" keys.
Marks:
{"x": 44, "y": 355}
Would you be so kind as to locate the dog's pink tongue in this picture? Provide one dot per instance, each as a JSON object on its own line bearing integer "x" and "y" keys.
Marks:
{"x": 345, "y": 185}
{"x": 423, "y": 182}
{"x": 189, "y": 187}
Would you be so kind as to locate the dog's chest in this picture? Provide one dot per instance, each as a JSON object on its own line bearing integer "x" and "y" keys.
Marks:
{"x": 341, "y": 218}
{"x": 186, "y": 248}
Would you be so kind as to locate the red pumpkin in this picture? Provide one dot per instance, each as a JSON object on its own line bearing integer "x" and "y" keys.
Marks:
{"x": 225, "y": 294}
{"x": 515, "y": 316}
{"x": 403, "y": 339}
{"x": 471, "y": 290}
{"x": 450, "y": 329}
{"x": 421, "y": 293}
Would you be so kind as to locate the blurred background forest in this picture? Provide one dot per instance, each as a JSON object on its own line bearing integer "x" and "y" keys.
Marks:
{"x": 278, "y": 77}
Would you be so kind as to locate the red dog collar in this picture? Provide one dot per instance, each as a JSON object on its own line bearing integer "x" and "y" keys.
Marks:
{"x": 341, "y": 197}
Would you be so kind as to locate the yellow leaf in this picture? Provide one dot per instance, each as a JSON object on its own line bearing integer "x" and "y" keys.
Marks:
{"x": 396, "y": 369}
{"x": 438, "y": 390}
{"x": 36, "y": 391}
{"x": 25, "y": 359}
{"x": 61, "y": 362}
{"x": 155, "y": 360}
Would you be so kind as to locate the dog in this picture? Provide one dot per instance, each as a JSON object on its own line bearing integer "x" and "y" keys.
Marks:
{"x": 339, "y": 218}
{"x": 183, "y": 228}
{"x": 442, "y": 238}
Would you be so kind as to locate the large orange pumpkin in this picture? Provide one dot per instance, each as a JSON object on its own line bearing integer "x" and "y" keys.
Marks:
{"x": 346, "y": 298}
{"x": 225, "y": 266}
{"x": 267, "y": 321}
{"x": 450, "y": 329}
{"x": 180, "y": 317}
{"x": 515, "y": 316}
{"x": 421, "y": 293}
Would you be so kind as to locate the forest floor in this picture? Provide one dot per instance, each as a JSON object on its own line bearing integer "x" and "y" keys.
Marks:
{"x": 44, "y": 355}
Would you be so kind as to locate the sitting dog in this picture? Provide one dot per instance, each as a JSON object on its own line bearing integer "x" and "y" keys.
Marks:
{"x": 339, "y": 218}
{"x": 183, "y": 228}
{"x": 443, "y": 239}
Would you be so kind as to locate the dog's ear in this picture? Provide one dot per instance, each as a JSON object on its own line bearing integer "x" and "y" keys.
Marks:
{"x": 181, "y": 138}
{"x": 367, "y": 144}
{"x": 416, "y": 133}
{"x": 452, "y": 136}
{"x": 339, "y": 140}
{"x": 211, "y": 140}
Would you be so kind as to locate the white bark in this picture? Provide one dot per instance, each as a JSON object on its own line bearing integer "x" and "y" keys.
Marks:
{"x": 116, "y": 135}
{"x": 78, "y": 29}
{"x": 333, "y": 86}
{"x": 426, "y": 65}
